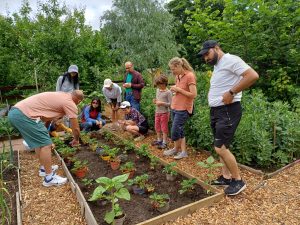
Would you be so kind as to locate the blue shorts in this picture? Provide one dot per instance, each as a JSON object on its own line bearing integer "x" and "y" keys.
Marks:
{"x": 34, "y": 132}
{"x": 179, "y": 118}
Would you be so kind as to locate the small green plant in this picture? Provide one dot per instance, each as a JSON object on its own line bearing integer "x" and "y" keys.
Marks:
{"x": 4, "y": 194}
{"x": 159, "y": 200}
{"x": 143, "y": 150}
{"x": 187, "y": 185}
{"x": 66, "y": 152}
{"x": 111, "y": 190}
{"x": 78, "y": 165}
{"x": 169, "y": 169}
{"x": 108, "y": 136}
{"x": 128, "y": 166}
{"x": 58, "y": 143}
{"x": 93, "y": 144}
{"x": 87, "y": 182}
{"x": 154, "y": 161}
{"x": 128, "y": 146}
{"x": 211, "y": 165}
{"x": 84, "y": 137}
{"x": 113, "y": 153}
{"x": 141, "y": 181}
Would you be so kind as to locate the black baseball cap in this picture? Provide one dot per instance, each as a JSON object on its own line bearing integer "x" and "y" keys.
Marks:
{"x": 206, "y": 46}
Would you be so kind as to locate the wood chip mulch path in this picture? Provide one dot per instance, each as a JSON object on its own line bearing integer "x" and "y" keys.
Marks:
{"x": 46, "y": 206}
{"x": 273, "y": 201}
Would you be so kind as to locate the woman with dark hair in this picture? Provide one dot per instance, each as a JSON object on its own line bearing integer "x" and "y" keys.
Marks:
{"x": 69, "y": 81}
{"x": 91, "y": 116}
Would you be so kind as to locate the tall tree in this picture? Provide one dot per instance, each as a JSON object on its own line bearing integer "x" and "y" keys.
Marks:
{"x": 266, "y": 34}
{"x": 140, "y": 31}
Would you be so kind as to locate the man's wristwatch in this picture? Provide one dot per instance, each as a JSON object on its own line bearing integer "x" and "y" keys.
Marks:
{"x": 232, "y": 93}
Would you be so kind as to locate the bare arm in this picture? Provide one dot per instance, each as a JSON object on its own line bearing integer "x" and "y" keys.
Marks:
{"x": 192, "y": 93}
{"x": 75, "y": 128}
{"x": 249, "y": 77}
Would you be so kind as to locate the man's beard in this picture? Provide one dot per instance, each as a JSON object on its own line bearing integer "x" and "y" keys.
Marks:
{"x": 214, "y": 60}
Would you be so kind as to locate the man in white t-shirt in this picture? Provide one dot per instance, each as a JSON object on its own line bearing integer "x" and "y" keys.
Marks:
{"x": 230, "y": 77}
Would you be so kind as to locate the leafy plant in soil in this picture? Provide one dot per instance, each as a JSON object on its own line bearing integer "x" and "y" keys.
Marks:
{"x": 111, "y": 190}
{"x": 143, "y": 150}
{"x": 58, "y": 142}
{"x": 66, "y": 152}
{"x": 141, "y": 182}
{"x": 159, "y": 200}
{"x": 187, "y": 185}
{"x": 80, "y": 168}
{"x": 168, "y": 169}
{"x": 127, "y": 167}
{"x": 87, "y": 182}
{"x": 154, "y": 161}
{"x": 211, "y": 165}
{"x": 4, "y": 194}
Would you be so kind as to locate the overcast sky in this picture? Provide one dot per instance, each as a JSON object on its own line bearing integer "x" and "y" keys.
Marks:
{"x": 93, "y": 8}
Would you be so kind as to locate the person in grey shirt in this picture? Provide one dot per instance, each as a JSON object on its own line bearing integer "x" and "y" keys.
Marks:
{"x": 113, "y": 95}
{"x": 69, "y": 81}
{"x": 231, "y": 75}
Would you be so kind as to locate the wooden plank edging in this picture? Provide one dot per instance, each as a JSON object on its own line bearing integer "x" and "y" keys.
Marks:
{"x": 19, "y": 215}
{"x": 84, "y": 207}
{"x": 184, "y": 210}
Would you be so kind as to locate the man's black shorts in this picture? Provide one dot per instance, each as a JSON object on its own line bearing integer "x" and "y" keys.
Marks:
{"x": 224, "y": 120}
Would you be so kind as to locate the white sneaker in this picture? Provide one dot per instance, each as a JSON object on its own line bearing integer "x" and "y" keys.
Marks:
{"x": 170, "y": 152}
{"x": 181, "y": 155}
{"x": 42, "y": 172}
{"x": 55, "y": 180}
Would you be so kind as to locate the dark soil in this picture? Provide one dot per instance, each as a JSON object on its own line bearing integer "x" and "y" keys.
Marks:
{"x": 10, "y": 177}
{"x": 138, "y": 209}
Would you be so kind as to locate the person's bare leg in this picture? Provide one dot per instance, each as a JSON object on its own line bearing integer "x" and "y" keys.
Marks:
{"x": 45, "y": 158}
{"x": 177, "y": 144}
{"x": 37, "y": 154}
{"x": 159, "y": 136}
{"x": 133, "y": 129}
{"x": 165, "y": 137}
{"x": 113, "y": 115}
{"x": 225, "y": 172}
{"x": 183, "y": 145}
{"x": 229, "y": 161}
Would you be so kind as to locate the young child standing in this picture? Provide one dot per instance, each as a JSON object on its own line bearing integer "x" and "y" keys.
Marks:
{"x": 162, "y": 112}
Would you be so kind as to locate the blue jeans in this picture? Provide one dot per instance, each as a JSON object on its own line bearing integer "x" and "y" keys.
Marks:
{"x": 89, "y": 126}
{"x": 133, "y": 102}
{"x": 179, "y": 118}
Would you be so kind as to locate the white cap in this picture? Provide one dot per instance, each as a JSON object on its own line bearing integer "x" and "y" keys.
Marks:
{"x": 107, "y": 82}
{"x": 73, "y": 68}
{"x": 124, "y": 105}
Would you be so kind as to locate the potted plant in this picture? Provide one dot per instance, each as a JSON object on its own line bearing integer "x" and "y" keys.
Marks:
{"x": 187, "y": 185}
{"x": 93, "y": 144}
{"x": 84, "y": 137}
{"x": 129, "y": 168}
{"x": 114, "y": 159}
{"x": 170, "y": 172}
{"x": 80, "y": 168}
{"x": 140, "y": 184}
{"x": 153, "y": 162}
{"x": 105, "y": 153}
{"x": 160, "y": 202}
{"x": 112, "y": 190}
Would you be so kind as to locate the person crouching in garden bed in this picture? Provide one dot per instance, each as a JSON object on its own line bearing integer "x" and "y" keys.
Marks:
{"x": 91, "y": 116}
{"x": 134, "y": 122}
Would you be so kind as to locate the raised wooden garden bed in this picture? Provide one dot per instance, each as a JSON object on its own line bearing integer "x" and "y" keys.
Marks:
{"x": 138, "y": 210}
